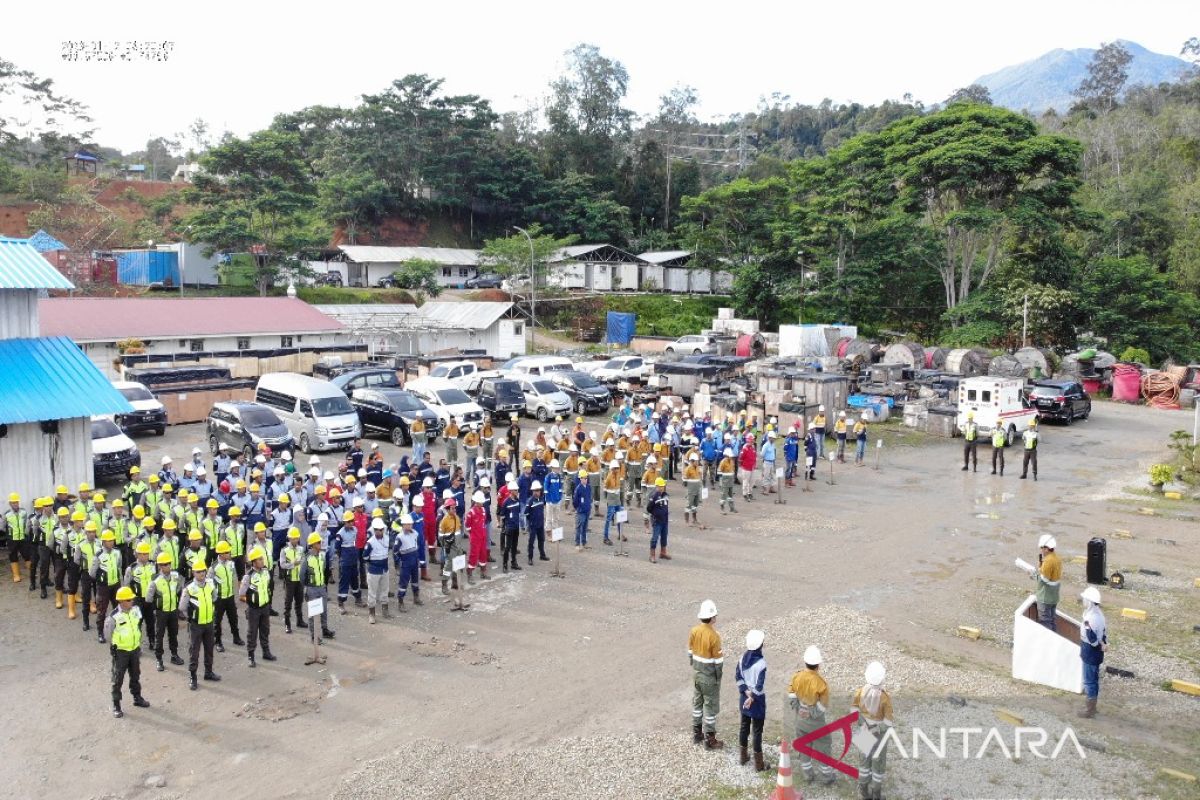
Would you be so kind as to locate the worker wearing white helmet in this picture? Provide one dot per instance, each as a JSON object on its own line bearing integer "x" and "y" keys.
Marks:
{"x": 451, "y": 433}
{"x": 1048, "y": 578}
{"x": 476, "y": 524}
{"x": 874, "y": 706}
{"x": 535, "y": 521}
{"x": 613, "y": 500}
{"x": 552, "y": 484}
{"x": 1093, "y": 642}
{"x": 376, "y": 552}
{"x": 708, "y": 661}
{"x": 808, "y": 696}
{"x": 726, "y": 470}
{"x": 818, "y": 426}
{"x": 860, "y": 441}
{"x": 751, "y": 678}
{"x": 409, "y": 551}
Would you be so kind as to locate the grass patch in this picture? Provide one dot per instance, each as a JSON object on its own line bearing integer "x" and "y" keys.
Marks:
{"x": 668, "y": 315}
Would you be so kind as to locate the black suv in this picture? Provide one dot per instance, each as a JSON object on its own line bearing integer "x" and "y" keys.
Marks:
{"x": 498, "y": 396}
{"x": 586, "y": 393}
{"x": 1065, "y": 400}
{"x": 243, "y": 426}
{"x": 370, "y": 378}
{"x": 392, "y": 412}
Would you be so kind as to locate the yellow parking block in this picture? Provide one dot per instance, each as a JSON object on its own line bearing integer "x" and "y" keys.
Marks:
{"x": 1122, "y": 534}
{"x": 1078, "y": 559}
{"x": 1196, "y": 583}
{"x": 1173, "y": 495}
{"x": 1186, "y": 687}
{"x": 1004, "y": 715}
{"x": 969, "y": 633}
{"x": 1148, "y": 512}
{"x": 1183, "y": 776}
{"x": 1133, "y": 613}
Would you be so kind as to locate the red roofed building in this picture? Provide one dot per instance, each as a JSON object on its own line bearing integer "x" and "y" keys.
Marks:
{"x": 193, "y": 329}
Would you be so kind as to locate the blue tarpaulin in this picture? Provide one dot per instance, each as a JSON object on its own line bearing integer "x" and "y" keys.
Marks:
{"x": 144, "y": 267}
{"x": 620, "y": 327}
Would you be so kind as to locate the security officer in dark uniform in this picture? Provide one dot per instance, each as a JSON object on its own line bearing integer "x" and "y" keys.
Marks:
{"x": 123, "y": 629}
{"x": 163, "y": 596}
{"x": 255, "y": 592}
{"x": 199, "y": 600}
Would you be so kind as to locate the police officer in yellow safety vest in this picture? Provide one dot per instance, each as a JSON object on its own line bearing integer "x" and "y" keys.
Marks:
{"x": 808, "y": 695}
{"x": 138, "y": 576}
{"x": 20, "y": 542}
{"x": 107, "y": 571}
{"x": 874, "y": 707}
{"x": 255, "y": 592}
{"x": 199, "y": 605}
{"x": 122, "y": 629}
{"x": 314, "y": 574}
{"x": 224, "y": 575}
{"x": 707, "y": 660}
{"x": 1030, "y": 439}
{"x": 970, "y": 432}
{"x": 999, "y": 442}
{"x": 164, "y": 595}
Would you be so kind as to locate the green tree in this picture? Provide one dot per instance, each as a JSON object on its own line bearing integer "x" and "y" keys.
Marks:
{"x": 587, "y": 120}
{"x": 41, "y": 108}
{"x": 1130, "y": 303}
{"x": 510, "y": 256}
{"x": 975, "y": 93}
{"x": 419, "y": 275}
{"x": 257, "y": 195}
{"x": 1107, "y": 73}
{"x": 573, "y": 206}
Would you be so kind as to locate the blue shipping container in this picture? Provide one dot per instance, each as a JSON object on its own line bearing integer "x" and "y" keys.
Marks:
{"x": 144, "y": 267}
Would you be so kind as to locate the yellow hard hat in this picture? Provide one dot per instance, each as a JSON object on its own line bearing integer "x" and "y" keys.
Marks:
{"x": 124, "y": 593}
{"x": 320, "y": 489}
{"x": 377, "y": 513}
{"x": 118, "y": 503}
{"x": 241, "y": 485}
{"x": 163, "y": 558}
{"x": 293, "y": 533}
{"x": 349, "y": 479}
{"x": 212, "y": 503}
{"x": 38, "y": 502}
{"x": 235, "y": 511}
{"x": 314, "y": 538}
{"x": 149, "y": 522}
{"x": 223, "y": 547}
{"x": 169, "y": 524}
{"x": 108, "y": 536}
{"x": 583, "y": 473}
{"x": 257, "y": 553}
{"x": 260, "y": 526}
{"x": 1033, "y": 422}
{"x": 98, "y": 497}
{"x": 152, "y": 479}
{"x": 60, "y": 489}
{"x": 254, "y": 487}
{"x": 194, "y": 535}
{"x": 660, "y": 482}
{"x": 579, "y": 419}
{"x": 404, "y": 481}
{"x": 167, "y": 488}
{"x": 14, "y": 498}
{"x": 283, "y": 498}
{"x": 199, "y": 566}
{"x": 135, "y": 470}
{"x": 970, "y": 415}
{"x": 63, "y": 512}
{"x": 90, "y": 525}
{"x": 143, "y": 547}
{"x": 348, "y": 516}
{"x": 84, "y": 487}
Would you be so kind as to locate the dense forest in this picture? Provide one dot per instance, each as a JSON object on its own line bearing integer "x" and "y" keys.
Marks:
{"x": 952, "y": 223}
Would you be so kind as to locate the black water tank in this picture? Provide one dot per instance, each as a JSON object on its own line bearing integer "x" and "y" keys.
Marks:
{"x": 1096, "y": 557}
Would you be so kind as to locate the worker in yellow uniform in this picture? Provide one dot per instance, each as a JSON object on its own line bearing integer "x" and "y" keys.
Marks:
{"x": 839, "y": 432}
{"x": 255, "y": 592}
{"x": 874, "y": 707}
{"x": 970, "y": 432}
{"x": 107, "y": 571}
{"x": 123, "y": 629}
{"x": 163, "y": 596}
{"x": 1048, "y": 577}
{"x": 1030, "y": 440}
{"x": 999, "y": 442}
{"x": 707, "y": 661}
{"x": 199, "y": 603}
{"x": 726, "y": 470}
{"x": 808, "y": 695}
{"x": 20, "y": 542}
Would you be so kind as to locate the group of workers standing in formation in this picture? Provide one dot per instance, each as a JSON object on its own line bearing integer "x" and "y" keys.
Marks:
{"x": 1029, "y": 444}
{"x": 808, "y": 700}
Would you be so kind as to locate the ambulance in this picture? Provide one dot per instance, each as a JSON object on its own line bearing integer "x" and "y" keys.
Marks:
{"x": 997, "y": 403}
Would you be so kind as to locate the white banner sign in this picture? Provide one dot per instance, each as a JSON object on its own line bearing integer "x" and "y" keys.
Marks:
{"x": 621, "y": 516}
{"x": 556, "y": 534}
{"x": 315, "y": 607}
{"x": 459, "y": 563}
{"x": 703, "y": 492}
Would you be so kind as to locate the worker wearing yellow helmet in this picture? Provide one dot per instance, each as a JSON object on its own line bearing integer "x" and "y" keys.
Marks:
{"x": 314, "y": 575}
{"x": 138, "y": 576}
{"x": 43, "y": 524}
{"x": 199, "y": 606}
{"x": 163, "y": 596}
{"x": 970, "y": 433}
{"x": 255, "y": 591}
{"x": 65, "y": 531}
{"x": 169, "y": 543}
{"x": 136, "y": 488}
{"x": 86, "y": 550}
{"x": 123, "y": 629}
{"x": 84, "y": 501}
{"x": 659, "y": 517}
{"x": 195, "y": 549}
{"x": 223, "y": 574}
{"x": 20, "y": 539}
{"x": 290, "y": 559}
{"x": 108, "y": 568}
{"x": 234, "y": 533}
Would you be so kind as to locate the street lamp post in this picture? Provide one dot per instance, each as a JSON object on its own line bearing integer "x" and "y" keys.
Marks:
{"x": 532, "y": 290}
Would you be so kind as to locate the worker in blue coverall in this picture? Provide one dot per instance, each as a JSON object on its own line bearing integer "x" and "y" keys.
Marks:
{"x": 583, "y": 508}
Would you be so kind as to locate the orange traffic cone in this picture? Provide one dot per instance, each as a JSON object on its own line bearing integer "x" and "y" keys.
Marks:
{"x": 783, "y": 784}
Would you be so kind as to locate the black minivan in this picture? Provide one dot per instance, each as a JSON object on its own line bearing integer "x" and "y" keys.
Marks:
{"x": 498, "y": 396}
{"x": 586, "y": 393}
{"x": 242, "y": 426}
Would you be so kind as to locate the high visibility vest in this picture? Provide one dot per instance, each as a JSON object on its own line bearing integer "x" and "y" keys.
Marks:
{"x": 970, "y": 431}
{"x": 127, "y": 633}
{"x": 259, "y": 593}
{"x": 89, "y": 553}
{"x": 212, "y": 531}
{"x": 1031, "y": 440}
{"x": 236, "y": 536}
{"x": 171, "y": 548}
{"x": 267, "y": 547}
{"x": 316, "y": 570}
{"x": 200, "y": 602}
{"x": 190, "y": 556}
{"x": 143, "y": 575}
{"x": 226, "y": 577}
{"x": 295, "y": 555}
{"x": 47, "y": 525}
{"x": 998, "y": 438}
{"x": 166, "y": 588}
{"x": 15, "y": 521}
{"x": 123, "y": 529}
{"x": 110, "y": 567}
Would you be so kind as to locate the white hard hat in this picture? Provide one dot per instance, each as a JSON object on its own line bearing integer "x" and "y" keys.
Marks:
{"x": 812, "y": 655}
{"x": 820, "y": 408}
{"x": 728, "y": 452}
{"x": 447, "y": 494}
{"x": 509, "y": 477}
{"x": 370, "y": 487}
{"x": 314, "y": 472}
{"x": 328, "y": 475}
{"x": 166, "y": 460}
{"x": 260, "y": 459}
{"x": 694, "y": 457}
{"x": 418, "y": 502}
{"x": 358, "y": 501}
{"x": 427, "y": 482}
{"x": 650, "y": 459}
{"x": 771, "y": 434}
{"x": 277, "y": 471}
{"x": 592, "y": 435}
{"x": 708, "y": 610}
{"x": 541, "y": 430}
{"x": 620, "y": 456}
{"x": 1046, "y": 540}
{"x": 875, "y": 673}
{"x": 377, "y": 524}
{"x": 323, "y": 516}
{"x": 754, "y": 639}
{"x": 195, "y": 451}
{"x": 478, "y": 497}
{"x": 574, "y": 448}
{"x": 512, "y": 485}
{"x": 613, "y": 464}
{"x": 406, "y": 518}
{"x": 535, "y": 485}
{"x": 554, "y": 463}
{"x": 1091, "y": 593}
{"x": 285, "y": 455}
{"x": 314, "y": 461}
{"x": 485, "y": 481}
{"x": 201, "y": 471}
{"x": 374, "y": 445}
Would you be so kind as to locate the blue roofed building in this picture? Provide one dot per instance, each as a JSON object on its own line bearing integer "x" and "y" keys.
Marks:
{"x": 50, "y": 389}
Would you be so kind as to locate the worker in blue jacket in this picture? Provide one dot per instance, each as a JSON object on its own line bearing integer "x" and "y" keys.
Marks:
{"x": 583, "y": 509}
{"x": 659, "y": 516}
{"x": 710, "y": 451}
{"x": 524, "y": 485}
{"x": 812, "y": 446}
{"x": 553, "y": 485}
{"x": 535, "y": 521}
{"x": 791, "y": 455}
{"x": 510, "y": 526}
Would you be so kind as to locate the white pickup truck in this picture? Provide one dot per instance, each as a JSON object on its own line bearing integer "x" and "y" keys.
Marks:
{"x": 996, "y": 403}
{"x": 623, "y": 368}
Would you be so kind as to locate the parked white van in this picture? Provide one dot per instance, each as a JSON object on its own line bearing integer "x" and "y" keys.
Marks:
{"x": 315, "y": 411}
{"x": 445, "y": 399}
{"x": 535, "y": 366}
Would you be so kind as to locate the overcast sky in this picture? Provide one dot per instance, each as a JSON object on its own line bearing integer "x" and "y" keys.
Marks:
{"x": 237, "y": 64}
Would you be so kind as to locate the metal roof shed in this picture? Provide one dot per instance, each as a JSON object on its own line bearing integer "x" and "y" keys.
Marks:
{"x": 57, "y": 382}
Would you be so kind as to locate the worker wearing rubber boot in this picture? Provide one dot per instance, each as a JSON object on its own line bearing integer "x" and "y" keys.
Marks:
{"x": 818, "y": 429}
{"x": 377, "y": 555}
{"x": 707, "y": 661}
{"x": 999, "y": 441}
{"x": 1093, "y": 642}
{"x": 123, "y": 629}
{"x": 874, "y": 706}
{"x": 86, "y": 550}
{"x": 199, "y": 605}
{"x": 693, "y": 477}
{"x": 20, "y": 541}
{"x": 726, "y": 469}
{"x": 808, "y": 696}
{"x": 255, "y": 591}
{"x": 970, "y": 432}
{"x": 1030, "y": 439}
{"x": 164, "y": 595}
{"x": 1048, "y": 577}
{"x": 409, "y": 551}
{"x": 751, "y": 677}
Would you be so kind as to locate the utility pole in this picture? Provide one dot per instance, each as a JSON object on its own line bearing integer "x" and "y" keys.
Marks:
{"x": 1025, "y": 322}
{"x": 667, "y": 206}
{"x": 532, "y": 290}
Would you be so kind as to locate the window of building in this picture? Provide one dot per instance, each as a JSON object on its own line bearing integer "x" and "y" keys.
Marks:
{"x": 285, "y": 341}
{"x": 446, "y": 272}
{"x": 518, "y": 329}
{"x": 464, "y": 272}
{"x": 196, "y": 345}
{"x": 243, "y": 343}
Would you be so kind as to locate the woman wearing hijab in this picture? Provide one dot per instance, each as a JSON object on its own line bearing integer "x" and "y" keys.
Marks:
{"x": 1093, "y": 642}
{"x": 751, "y": 677}
{"x": 874, "y": 707}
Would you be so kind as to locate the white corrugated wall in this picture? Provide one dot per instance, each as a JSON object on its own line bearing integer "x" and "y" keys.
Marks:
{"x": 18, "y": 314}
{"x": 32, "y": 463}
